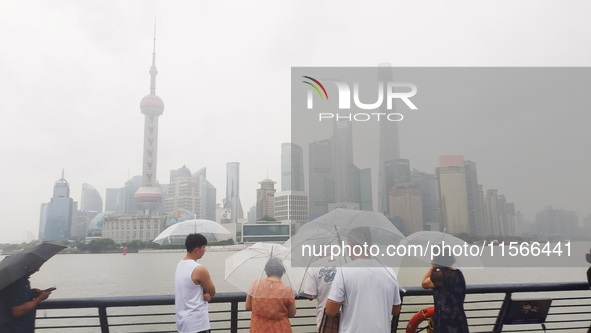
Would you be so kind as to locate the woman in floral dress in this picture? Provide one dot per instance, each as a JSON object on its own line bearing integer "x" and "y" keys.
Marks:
{"x": 272, "y": 303}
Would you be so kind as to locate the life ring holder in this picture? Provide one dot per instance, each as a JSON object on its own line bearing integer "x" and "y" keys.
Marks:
{"x": 419, "y": 317}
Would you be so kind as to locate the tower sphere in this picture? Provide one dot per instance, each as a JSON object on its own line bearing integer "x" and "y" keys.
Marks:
{"x": 152, "y": 105}
{"x": 148, "y": 197}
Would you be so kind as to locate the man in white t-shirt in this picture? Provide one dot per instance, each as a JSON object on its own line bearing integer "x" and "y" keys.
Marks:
{"x": 193, "y": 288}
{"x": 365, "y": 291}
{"x": 317, "y": 284}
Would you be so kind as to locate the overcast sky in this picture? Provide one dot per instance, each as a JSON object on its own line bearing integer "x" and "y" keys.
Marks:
{"x": 72, "y": 74}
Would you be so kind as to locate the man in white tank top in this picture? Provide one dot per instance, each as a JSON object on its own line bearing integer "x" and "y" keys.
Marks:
{"x": 193, "y": 288}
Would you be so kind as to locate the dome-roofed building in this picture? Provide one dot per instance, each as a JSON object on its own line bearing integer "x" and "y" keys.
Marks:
{"x": 95, "y": 227}
{"x": 178, "y": 215}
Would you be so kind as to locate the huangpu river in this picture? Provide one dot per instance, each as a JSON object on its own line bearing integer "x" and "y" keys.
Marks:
{"x": 152, "y": 273}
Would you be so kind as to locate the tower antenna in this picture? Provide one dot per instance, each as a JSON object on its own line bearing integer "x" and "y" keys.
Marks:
{"x": 153, "y": 70}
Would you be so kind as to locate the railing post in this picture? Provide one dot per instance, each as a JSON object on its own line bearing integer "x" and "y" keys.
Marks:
{"x": 103, "y": 319}
{"x": 502, "y": 312}
{"x": 234, "y": 317}
{"x": 394, "y": 322}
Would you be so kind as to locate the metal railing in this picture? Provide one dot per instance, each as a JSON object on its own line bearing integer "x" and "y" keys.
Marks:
{"x": 485, "y": 307}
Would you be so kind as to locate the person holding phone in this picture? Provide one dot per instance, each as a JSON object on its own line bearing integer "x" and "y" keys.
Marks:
{"x": 18, "y": 305}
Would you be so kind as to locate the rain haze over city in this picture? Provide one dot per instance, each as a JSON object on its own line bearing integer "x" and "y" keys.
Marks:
{"x": 73, "y": 74}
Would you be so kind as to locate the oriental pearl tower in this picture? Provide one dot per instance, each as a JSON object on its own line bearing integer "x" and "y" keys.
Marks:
{"x": 148, "y": 197}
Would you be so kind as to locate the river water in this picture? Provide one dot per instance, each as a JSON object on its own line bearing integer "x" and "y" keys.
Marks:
{"x": 152, "y": 273}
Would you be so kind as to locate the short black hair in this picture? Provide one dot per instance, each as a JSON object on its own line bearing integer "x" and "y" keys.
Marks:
{"x": 194, "y": 241}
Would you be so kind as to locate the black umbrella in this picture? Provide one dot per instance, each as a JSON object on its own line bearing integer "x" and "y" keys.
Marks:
{"x": 25, "y": 262}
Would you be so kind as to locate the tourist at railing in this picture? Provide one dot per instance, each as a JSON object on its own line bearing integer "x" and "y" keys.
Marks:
{"x": 365, "y": 291}
{"x": 449, "y": 292}
{"x": 272, "y": 303}
{"x": 18, "y": 305}
{"x": 193, "y": 288}
{"x": 317, "y": 285}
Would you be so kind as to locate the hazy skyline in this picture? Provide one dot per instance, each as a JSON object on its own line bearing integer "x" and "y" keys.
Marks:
{"x": 73, "y": 74}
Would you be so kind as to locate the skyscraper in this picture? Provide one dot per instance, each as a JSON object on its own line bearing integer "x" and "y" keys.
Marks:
{"x": 427, "y": 184}
{"x": 346, "y": 174}
{"x": 91, "y": 200}
{"x": 475, "y": 202}
{"x": 208, "y": 195}
{"x": 266, "y": 200}
{"x": 291, "y": 207}
{"x": 365, "y": 190}
{"x": 405, "y": 202}
{"x": 492, "y": 218}
{"x": 148, "y": 198}
{"x": 183, "y": 192}
{"x": 389, "y": 149}
{"x": 395, "y": 172}
{"x": 453, "y": 197}
{"x": 57, "y": 214}
{"x": 111, "y": 199}
{"x": 321, "y": 178}
{"x": 292, "y": 167}
{"x": 232, "y": 199}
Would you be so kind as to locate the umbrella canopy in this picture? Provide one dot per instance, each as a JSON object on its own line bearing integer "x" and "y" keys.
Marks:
{"x": 430, "y": 245}
{"x": 248, "y": 265}
{"x": 25, "y": 262}
{"x": 330, "y": 233}
{"x": 177, "y": 233}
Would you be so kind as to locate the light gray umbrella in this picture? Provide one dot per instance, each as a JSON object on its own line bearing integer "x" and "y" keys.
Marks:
{"x": 336, "y": 229}
{"x": 25, "y": 262}
{"x": 177, "y": 233}
{"x": 248, "y": 265}
{"x": 428, "y": 246}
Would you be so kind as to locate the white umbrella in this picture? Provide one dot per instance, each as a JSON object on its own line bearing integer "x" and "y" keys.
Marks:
{"x": 177, "y": 233}
{"x": 329, "y": 232}
{"x": 428, "y": 245}
{"x": 248, "y": 265}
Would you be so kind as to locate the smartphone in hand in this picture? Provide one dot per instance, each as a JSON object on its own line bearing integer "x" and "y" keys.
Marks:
{"x": 51, "y": 289}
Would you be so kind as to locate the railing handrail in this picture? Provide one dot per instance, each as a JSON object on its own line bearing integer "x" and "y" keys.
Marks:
{"x": 234, "y": 298}
{"x": 226, "y": 297}
{"x": 506, "y": 288}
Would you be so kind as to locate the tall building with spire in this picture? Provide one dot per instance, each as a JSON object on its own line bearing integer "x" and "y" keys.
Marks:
{"x": 389, "y": 149}
{"x": 56, "y": 216}
{"x": 148, "y": 198}
{"x": 232, "y": 200}
{"x": 292, "y": 167}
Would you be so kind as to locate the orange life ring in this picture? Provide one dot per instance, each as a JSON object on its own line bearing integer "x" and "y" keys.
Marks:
{"x": 419, "y": 317}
